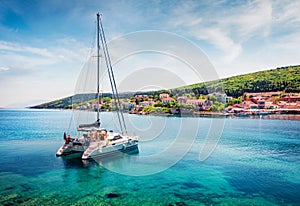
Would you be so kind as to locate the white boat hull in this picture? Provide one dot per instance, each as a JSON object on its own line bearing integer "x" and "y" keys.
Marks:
{"x": 70, "y": 148}
{"x": 102, "y": 151}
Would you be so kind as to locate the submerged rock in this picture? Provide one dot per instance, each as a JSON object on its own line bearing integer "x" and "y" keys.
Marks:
{"x": 180, "y": 204}
{"x": 113, "y": 195}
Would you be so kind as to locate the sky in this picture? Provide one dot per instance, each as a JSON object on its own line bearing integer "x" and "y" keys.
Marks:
{"x": 45, "y": 44}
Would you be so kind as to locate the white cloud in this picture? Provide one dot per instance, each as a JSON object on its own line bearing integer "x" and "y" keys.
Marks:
{"x": 40, "y": 73}
{"x": 223, "y": 41}
{"x": 287, "y": 11}
{"x": 185, "y": 15}
{"x": 227, "y": 28}
{"x": 186, "y": 19}
{"x": 250, "y": 20}
{"x": 4, "y": 68}
{"x": 24, "y": 57}
{"x": 15, "y": 47}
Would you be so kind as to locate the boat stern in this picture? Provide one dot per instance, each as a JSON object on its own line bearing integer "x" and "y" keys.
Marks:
{"x": 63, "y": 150}
{"x": 87, "y": 154}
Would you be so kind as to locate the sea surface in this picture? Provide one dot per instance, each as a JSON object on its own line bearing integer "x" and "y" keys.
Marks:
{"x": 181, "y": 161}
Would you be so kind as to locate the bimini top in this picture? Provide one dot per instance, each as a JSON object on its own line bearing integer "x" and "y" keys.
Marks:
{"x": 90, "y": 127}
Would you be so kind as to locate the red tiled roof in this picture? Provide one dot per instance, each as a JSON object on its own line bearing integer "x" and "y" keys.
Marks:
{"x": 167, "y": 98}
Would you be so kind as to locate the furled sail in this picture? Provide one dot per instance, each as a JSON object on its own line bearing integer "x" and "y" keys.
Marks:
{"x": 95, "y": 124}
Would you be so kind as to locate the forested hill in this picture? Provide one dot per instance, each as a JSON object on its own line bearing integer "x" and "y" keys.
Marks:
{"x": 281, "y": 79}
{"x": 66, "y": 103}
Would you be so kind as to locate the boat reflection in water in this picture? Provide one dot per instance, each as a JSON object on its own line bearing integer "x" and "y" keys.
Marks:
{"x": 75, "y": 160}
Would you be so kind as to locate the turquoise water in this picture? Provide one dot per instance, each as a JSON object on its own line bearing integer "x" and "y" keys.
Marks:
{"x": 256, "y": 162}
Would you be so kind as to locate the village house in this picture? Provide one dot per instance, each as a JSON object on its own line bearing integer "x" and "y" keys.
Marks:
{"x": 147, "y": 103}
{"x": 83, "y": 107}
{"x": 182, "y": 100}
{"x": 128, "y": 105}
{"x": 221, "y": 97}
{"x": 288, "y": 105}
{"x": 166, "y": 100}
{"x": 228, "y": 99}
{"x": 292, "y": 97}
{"x": 265, "y": 95}
{"x": 237, "y": 108}
{"x": 200, "y": 104}
{"x": 164, "y": 95}
{"x": 247, "y": 104}
{"x": 260, "y": 101}
{"x": 270, "y": 105}
{"x": 95, "y": 105}
{"x": 140, "y": 96}
{"x": 253, "y": 106}
{"x": 241, "y": 105}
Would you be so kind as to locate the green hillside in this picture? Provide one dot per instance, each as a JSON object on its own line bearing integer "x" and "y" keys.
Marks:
{"x": 280, "y": 79}
{"x": 66, "y": 103}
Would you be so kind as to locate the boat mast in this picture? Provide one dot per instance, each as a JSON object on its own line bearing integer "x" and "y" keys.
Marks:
{"x": 98, "y": 65}
{"x": 112, "y": 79}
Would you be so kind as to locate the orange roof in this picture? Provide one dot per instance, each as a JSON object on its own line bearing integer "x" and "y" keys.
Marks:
{"x": 167, "y": 98}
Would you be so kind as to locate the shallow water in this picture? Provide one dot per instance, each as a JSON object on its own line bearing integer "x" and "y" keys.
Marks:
{"x": 256, "y": 162}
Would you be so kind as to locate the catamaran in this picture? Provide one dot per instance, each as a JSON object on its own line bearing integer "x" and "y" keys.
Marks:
{"x": 95, "y": 141}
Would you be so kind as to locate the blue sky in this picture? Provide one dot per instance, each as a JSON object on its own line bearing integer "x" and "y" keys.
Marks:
{"x": 44, "y": 44}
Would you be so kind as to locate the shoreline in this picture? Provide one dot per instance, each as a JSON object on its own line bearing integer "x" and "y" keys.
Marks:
{"x": 280, "y": 116}
{"x": 227, "y": 115}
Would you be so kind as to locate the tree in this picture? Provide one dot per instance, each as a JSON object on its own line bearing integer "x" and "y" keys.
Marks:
{"x": 235, "y": 101}
{"x": 212, "y": 98}
{"x": 106, "y": 107}
{"x": 137, "y": 102}
{"x": 187, "y": 106}
{"x": 201, "y": 97}
{"x": 147, "y": 108}
{"x": 174, "y": 104}
{"x": 106, "y": 100}
{"x": 158, "y": 104}
{"x": 217, "y": 107}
